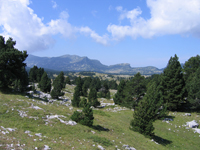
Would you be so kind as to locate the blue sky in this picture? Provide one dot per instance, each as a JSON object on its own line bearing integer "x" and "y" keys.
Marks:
{"x": 138, "y": 32}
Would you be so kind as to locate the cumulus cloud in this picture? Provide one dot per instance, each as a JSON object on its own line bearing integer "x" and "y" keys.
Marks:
{"x": 99, "y": 39}
{"x": 19, "y": 21}
{"x": 167, "y": 17}
{"x": 54, "y": 4}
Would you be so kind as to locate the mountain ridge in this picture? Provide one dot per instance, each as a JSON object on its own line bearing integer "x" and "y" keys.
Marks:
{"x": 77, "y": 63}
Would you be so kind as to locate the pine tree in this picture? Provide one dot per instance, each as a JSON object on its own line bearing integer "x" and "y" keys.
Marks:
{"x": 134, "y": 91}
{"x": 96, "y": 83}
{"x": 83, "y": 102}
{"x": 88, "y": 116}
{"x": 194, "y": 91}
{"x": 84, "y": 90}
{"x": 172, "y": 84}
{"x": 57, "y": 86}
{"x": 147, "y": 111}
{"x": 104, "y": 91}
{"x": 45, "y": 83}
{"x": 76, "y": 97}
{"x": 21, "y": 83}
{"x": 40, "y": 72}
{"x": 67, "y": 80}
{"x": 92, "y": 98}
{"x": 191, "y": 66}
{"x": 12, "y": 64}
{"x": 62, "y": 79}
{"x": 33, "y": 74}
{"x": 189, "y": 71}
{"x": 85, "y": 117}
{"x": 79, "y": 85}
{"x": 119, "y": 96}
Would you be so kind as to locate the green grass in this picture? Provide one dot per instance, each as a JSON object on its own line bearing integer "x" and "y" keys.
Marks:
{"x": 111, "y": 128}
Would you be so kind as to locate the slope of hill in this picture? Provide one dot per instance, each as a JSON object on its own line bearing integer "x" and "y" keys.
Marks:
{"x": 77, "y": 63}
{"x": 32, "y": 123}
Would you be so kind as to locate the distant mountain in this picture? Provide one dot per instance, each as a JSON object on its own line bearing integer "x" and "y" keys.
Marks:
{"x": 77, "y": 63}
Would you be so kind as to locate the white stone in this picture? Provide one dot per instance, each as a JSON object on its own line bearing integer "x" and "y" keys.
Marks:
{"x": 39, "y": 134}
{"x": 27, "y": 132}
{"x": 197, "y": 130}
{"x": 46, "y": 147}
{"x": 10, "y": 129}
{"x": 101, "y": 147}
{"x": 36, "y": 107}
{"x": 192, "y": 124}
{"x": 187, "y": 114}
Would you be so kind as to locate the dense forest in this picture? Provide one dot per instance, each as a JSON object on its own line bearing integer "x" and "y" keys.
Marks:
{"x": 176, "y": 89}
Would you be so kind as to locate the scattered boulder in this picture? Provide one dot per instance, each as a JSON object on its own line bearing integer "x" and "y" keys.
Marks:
{"x": 11, "y": 129}
{"x": 46, "y": 147}
{"x": 107, "y": 104}
{"x": 22, "y": 113}
{"x": 192, "y": 124}
{"x": 187, "y": 114}
{"x": 39, "y": 134}
{"x": 27, "y": 132}
{"x": 101, "y": 147}
{"x": 197, "y": 130}
{"x": 128, "y": 147}
{"x": 93, "y": 132}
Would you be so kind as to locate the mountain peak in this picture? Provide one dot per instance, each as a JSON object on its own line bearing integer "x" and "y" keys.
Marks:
{"x": 77, "y": 63}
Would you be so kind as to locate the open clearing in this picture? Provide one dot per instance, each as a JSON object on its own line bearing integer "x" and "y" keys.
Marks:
{"x": 30, "y": 123}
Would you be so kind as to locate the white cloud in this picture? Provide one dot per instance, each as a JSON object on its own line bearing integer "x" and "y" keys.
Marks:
{"x": 54, "y": 4}
{"x": 167, "y": 17}
{"x": 99, "y": 39}
{"x": 19, "y": 21}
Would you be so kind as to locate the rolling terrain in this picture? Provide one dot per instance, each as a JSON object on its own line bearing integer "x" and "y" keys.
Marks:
{"x": 30, "y": 122}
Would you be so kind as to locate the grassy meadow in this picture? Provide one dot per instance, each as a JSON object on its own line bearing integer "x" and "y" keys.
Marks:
{"x": 110, "y": 129}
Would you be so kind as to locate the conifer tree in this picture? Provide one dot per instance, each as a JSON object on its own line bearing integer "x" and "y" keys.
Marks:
{"x": 92, "y": 98}
{"x": 194, "y": 91}
{"x": 40, "y": 72}
{"x": 57, "y": 86}
{"x": 88, "y": 116}
{"x": 62, "y": 79}
{"x": 119, "y": 96}
{"x": 79, "y": 85}
{"x": 84, "y": 90}
{"x": 12, "y": 64}
{"x": 76, "y": 98}
{"x": 67, "y": 80}
{"x": 134, "y": 90}
{"x": 83, "y": 102}
{"x": 172, "y": 84}
{"x": 191, "y": 66}
{"x": 147, "y": 111}
{"x": 45, "y": 83}
{"x": 33, "y": 74}
{"x": 85, "y": 117}
{"x": 96, "y": 83}
{"x": 189, "y": 71}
